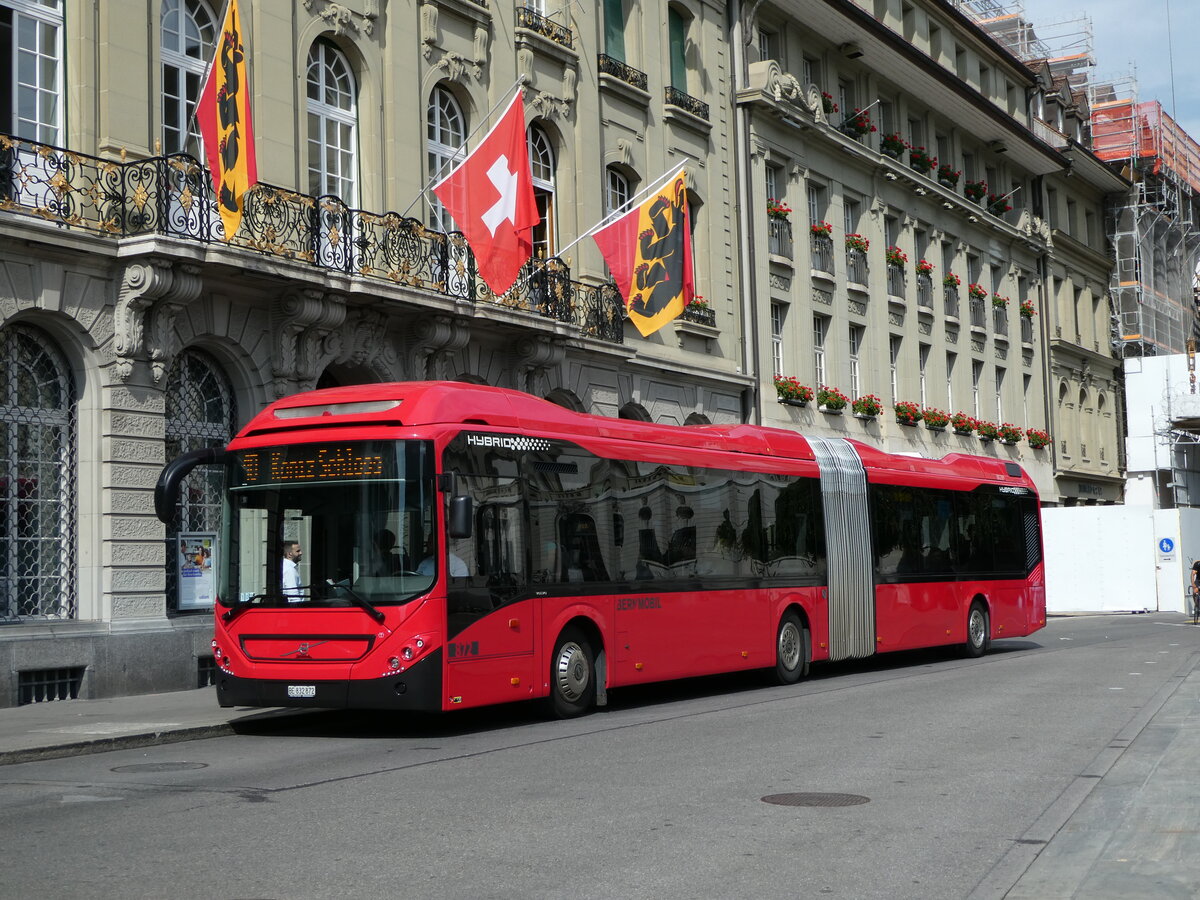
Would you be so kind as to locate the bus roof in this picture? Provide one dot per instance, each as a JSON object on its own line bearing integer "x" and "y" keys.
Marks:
{"x": 417, "y": 403}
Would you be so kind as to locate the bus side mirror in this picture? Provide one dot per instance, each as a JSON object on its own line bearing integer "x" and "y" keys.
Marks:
{"x": 460, "y": 516}
{"x": 166, "y": 492}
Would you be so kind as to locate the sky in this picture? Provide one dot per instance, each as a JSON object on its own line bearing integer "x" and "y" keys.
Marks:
{"x": 1131, "y": 36}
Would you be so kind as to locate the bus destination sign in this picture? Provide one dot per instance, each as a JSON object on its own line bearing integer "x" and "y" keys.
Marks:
{"x": 310, "y": 462}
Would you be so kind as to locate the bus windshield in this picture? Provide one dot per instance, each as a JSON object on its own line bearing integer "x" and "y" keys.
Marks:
{"x": 329, "y": 524}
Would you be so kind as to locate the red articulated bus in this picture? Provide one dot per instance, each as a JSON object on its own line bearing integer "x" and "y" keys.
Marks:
{"x": 464, "y": 545}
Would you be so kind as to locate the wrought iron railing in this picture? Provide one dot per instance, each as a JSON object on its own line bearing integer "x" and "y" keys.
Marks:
{"x": 535, "y": 21}
{"x": 701, "y": 315}
{"x": 895, "y": 281}
{"x": 1026, "y": 330}
{"x": 1000, "y": 320}
{"x": 925, "y": 292}
{"x": 978, "y": 313}
{"x": 950, "y": 299}
{"x": 173, "y": 195}
{"x": 779, "y": 237}
{"x": 856, "y": 266}
{"x": 822, "y": 253}
{"x": 609, "y": 65}
{"x": 676, "y": 97}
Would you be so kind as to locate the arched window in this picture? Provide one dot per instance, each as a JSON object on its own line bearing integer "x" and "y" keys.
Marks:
{"x": 332, "y": 125}
{"x": 618, "y": 191}
{"x": 541, "y": 164}
{"x": 200, "y": 413}
{"x": 31, "y": 54}
{"x": 188, "y": 37}
{"x": 37, "y": 478}
{"x": 445, "y": 136}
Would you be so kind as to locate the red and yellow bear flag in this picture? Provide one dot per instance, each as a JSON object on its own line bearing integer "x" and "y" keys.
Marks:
{"x": 649, "y": 252}
{"x": 223, "y": 114}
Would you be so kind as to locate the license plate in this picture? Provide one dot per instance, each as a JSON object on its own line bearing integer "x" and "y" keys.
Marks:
{"x": 302, "y": 690}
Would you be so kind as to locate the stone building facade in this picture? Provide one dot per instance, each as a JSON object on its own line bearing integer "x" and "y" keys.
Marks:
{"x": 131, "y": 330}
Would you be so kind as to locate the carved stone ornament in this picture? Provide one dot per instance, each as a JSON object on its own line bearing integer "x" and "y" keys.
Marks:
{"x": 433, "y": 341}
{"x": 546, "y": 106}
{"x": 306, "y": 323}
{"x": 144, "y": 284}
{"x": 342, "y": 19}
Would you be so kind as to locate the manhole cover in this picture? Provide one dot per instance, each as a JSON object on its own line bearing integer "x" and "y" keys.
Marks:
{"x": 816, "y": 799}
{"x": 161, "y": 767}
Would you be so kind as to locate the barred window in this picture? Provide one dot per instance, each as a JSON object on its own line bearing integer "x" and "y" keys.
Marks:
{"x": 37, "y": 478}
{"x": 200, "y": 413}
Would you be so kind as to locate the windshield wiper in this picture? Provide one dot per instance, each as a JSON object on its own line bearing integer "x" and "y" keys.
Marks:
{"x": 240, "y": 607}
{"x": 359, "y": 600}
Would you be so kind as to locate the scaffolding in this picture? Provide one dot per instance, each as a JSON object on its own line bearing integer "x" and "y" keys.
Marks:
{"x": 1154, "y": 230}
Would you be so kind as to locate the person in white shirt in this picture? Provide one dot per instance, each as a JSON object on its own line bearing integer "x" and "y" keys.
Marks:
{"x": 458, "y": 568}
{"x": 291, "y": 572}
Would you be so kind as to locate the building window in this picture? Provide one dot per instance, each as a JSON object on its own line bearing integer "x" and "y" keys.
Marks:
{"x": 811, "y": 71}
{"x": 850, "y": 215}
{"x": 856, "y": 338}
{"x": 614, "y": 29}
{"x": 816, "y": 204}
{"x": 38, "y": 547}
{"x": 541, "y": 164}
{"x": 820, "y": 328}
{"x": 922, "y": 371}
{"x": 188, "y": 38}
{"x": 677, "y": 27}
{"x": 769, "y": 47}
{"x": 976, "y": 378}
{"x": 772, "y": 179}
{"x": 951, "y": 359}
{"x": 895, "y": 342}
{"x": 445, "y": 137}
{"x": 1000, "y": 394}
{"x": 778, "y": 313}
{"x": 31, "y": 55}
{"x": 332, "y": 125}
{"x": 200, "y": 413}
{"x": 618, "y": 192}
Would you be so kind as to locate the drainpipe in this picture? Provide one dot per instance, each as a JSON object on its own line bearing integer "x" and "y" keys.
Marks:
{"x": 743, "y": 196}
{"x": 1047, "y": 370}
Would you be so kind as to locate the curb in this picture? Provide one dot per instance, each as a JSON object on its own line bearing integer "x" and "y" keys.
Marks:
{"x": 119, "y": 742}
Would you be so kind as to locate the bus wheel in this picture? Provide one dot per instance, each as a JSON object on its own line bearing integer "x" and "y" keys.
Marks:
{"x": 572, "y": 675}
{"x": 793, "y": 650}
{"x": 978, "y": 631}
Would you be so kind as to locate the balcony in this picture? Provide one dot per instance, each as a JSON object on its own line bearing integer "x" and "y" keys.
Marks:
{"x": 1000, "y": 321}
{"x": 856, "y": 266}
{"x": 699, "y": 315}
{"x": 779, "y": 237}
{"x": 686, "y": 102}
{"x": 1026, "y": 330}
{"x": 895, "y": 281}
{"x": 978, "y": 314}
{"x": 950, "y": 302}
{"x": 609, "y": 65}
{"x": 822, "y": 254}
{"x": 539, "y": 24}
{"x": 925, "y": 293}
{"x": 172, "y": 196}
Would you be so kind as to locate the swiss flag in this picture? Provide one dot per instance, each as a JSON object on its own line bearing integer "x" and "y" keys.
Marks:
{"x": 490, "y": 196}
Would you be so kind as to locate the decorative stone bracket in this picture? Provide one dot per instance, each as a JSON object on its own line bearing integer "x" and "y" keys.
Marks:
{"x": 152, "y": 292}
{"x": 533, "y": 356}
{"x": 433, "y": 341}
{"x": 306, "y": 323}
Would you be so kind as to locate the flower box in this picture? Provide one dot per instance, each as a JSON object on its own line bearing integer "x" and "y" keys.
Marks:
{"x": 857, "y": 242}
{"x": 856, "y": 124}
{"x": 1038, "y": 440}
{"x": 831, "y": 400}
{"x": 868, "y": 406}
{"x": 963, "y": 424}
{"x": 976, "y": 291}
{"x": 935, "y": 419}
{"x": 924, "y": 267}
{"x": 919, "y": 160}
{"x": 1027, "y": 310}
{"x": 791, "y": 392}
{"x": 947, "y": 175}
{"x": 1010, "y": 434}
{"x": 892, "y": 145}
{"x": 951, "y": 281}
{"x": 999, "y": 302}
{"x": 821, "y": 229}
{"x": 777, "y": 209}
{"x": 896, "y": 257}
{"x": 988, "y": 431}
{"x": 907, "y": 412}
{"x": 975, "y": 190}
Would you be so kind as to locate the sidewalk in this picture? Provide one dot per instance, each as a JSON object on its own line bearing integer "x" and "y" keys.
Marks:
{"x": 72, "y": 727}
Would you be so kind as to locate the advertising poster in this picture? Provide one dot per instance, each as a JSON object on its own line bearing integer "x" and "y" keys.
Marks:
{"x": 197, "y": 569}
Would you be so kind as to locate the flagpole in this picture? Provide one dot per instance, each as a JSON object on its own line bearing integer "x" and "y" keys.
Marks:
{"x": 454, "y": 159}
{"x": 626, "y": 206}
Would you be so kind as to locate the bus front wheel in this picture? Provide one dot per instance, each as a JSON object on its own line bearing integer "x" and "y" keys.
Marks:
{"x": 572, "y": 675}
{"x": 978, "y": 631}
{"x": 793, "y": 649}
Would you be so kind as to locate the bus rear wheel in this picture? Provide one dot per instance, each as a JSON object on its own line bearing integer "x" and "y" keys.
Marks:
{"x": 978, "y": 631}
{"x": 572, "y": 675}
{"x": 793, "y": 649}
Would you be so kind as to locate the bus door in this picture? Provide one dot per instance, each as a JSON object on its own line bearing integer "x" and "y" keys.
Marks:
{"x": 490, "y": 616}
